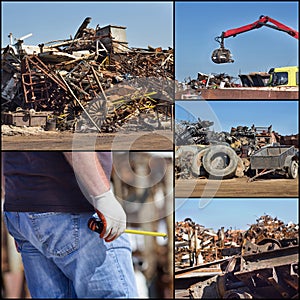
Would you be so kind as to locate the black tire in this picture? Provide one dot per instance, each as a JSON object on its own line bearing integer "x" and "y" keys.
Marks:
{"x": 220, "y": 161}
{"x": 293, "y": 169}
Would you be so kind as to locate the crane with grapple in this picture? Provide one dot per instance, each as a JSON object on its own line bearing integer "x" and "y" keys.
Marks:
{"x": 223, "y": 55}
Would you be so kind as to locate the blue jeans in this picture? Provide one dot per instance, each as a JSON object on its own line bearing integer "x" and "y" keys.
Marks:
{"x": 62, "y": 258}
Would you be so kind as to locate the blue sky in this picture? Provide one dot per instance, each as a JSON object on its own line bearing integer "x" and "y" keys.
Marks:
{"x": 282, "y": 115}
{"x": 198, "y": 23}
{"x": 235, "y": 213}
{"x": 148, "y": 23}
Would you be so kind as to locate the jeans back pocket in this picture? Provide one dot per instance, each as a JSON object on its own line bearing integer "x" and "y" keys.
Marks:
{"x": 57, "y": 232}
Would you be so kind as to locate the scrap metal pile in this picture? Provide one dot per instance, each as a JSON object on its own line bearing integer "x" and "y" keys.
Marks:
{"x": 93, "y": 80}
{"x": 207, "y": 81}
{"x": 197, "y": 148}
{"x": 196, "y": 244}
{"x": 199, "y": 133}
{"x": 267, "y": 233}
{"x": 211, "y": 81}
{"x": 263, "y": 263}
{"x": 273, "y": 231}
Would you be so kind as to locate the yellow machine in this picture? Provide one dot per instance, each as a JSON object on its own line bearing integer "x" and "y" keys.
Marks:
{"x": 285, "y": 76}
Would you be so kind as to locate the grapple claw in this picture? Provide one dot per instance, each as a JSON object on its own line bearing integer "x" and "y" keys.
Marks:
{"x": 222, "y": 56}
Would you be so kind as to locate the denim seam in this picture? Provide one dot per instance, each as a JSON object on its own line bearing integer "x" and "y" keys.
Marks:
{"x": 75, "y": 225}
{"x": 122, "y": 277}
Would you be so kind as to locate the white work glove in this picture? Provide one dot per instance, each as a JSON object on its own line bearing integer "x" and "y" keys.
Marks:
{"x": 111, "y": 214}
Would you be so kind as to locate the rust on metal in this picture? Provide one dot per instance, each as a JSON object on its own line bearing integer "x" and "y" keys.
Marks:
{"x": 93, "y": 75}
{"x": 264, "y": 263}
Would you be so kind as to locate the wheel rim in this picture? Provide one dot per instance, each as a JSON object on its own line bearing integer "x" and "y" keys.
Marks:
{"x": 294, "y": 169}
{"x": 97, "y": 111}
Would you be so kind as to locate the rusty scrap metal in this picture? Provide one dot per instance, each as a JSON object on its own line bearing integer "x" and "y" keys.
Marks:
{"x": 292, "y": 140}
{"x": 267, "y": 227}
{"x": 199, "y": 132}
{"x": 263, "y": 262}
{"x": 75, "y": 77}
{"x": 266, "y": 275}
{"x": 195, "y": 244}
{"x": 266, "y": 234}
{"x": 244, "y": 140}
{"x": 207, "y": 81}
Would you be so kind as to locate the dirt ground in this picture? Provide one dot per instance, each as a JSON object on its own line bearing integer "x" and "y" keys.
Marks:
{"x": 236, "y": 187}
{"x": 148, "y": 141}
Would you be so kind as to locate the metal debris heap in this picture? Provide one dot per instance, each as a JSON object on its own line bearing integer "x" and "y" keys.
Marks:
{"x": 211, "y": 81}
{"x": 261, "y": 262}
{"x": 199, "y": 133}
{"x": 273, "y": 230}
{"x": 205, "y": 245}
{"x": 202, "y": 152}
{"x": 195, "y": 244}
{"x": 93, "y": 80}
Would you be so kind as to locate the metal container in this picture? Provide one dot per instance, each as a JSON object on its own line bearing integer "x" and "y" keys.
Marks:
{"x": 271, "y": 157}
{"x": 114, "y": 38}
{"x": 24, "y": 118}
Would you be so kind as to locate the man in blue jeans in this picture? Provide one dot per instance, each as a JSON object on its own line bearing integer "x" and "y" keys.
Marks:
{"x": 49, "y": 198}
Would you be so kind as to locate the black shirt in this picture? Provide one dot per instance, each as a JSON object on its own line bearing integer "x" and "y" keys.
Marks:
{"x": 45, "y": 182}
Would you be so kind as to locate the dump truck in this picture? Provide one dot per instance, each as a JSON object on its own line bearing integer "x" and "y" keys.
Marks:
{"x": 284, "y": 76}
{"x": 276, "y": 77}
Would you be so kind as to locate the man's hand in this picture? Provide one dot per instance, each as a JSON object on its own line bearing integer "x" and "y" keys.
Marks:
{"x": 112, "y": 215}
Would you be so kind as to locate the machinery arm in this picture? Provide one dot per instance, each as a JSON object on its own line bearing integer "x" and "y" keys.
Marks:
{"x": 262, "y": 21}
{"x": 222, "y": 55}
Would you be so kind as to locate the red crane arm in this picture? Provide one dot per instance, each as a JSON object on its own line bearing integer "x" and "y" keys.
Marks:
{"x": 222, "y": 55}
{"x": 259, "y": 23}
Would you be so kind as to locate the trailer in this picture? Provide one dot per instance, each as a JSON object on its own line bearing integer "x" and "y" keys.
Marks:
{"x": 271, "y": 159}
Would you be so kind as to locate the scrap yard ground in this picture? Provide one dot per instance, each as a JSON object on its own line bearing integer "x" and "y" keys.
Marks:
{"x": 159, "y": 139}
{"x": 237, "y": 187}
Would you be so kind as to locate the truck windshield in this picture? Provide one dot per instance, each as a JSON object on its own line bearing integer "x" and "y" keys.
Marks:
{"x": 279, "y": 78}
